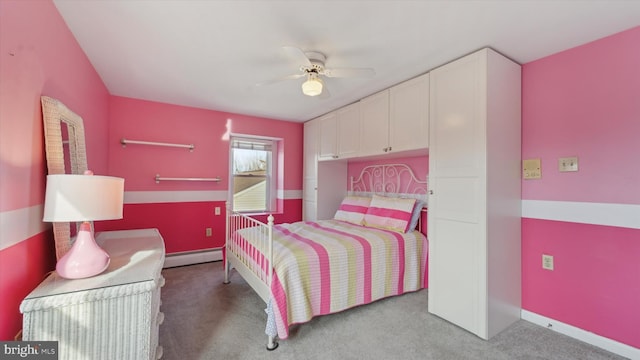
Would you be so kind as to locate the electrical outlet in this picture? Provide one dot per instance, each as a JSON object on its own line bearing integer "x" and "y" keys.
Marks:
{"x": 547, "y": 262}
{"x": 208, "y": 232}
{"x": 568, "y": 164}
{"x": 217, "y": 210}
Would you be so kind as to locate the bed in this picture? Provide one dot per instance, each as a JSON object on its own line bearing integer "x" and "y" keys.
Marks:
{"x": 371, "y": 249}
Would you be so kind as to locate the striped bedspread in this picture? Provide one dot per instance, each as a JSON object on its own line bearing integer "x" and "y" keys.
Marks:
{"x": 328, "y": 266}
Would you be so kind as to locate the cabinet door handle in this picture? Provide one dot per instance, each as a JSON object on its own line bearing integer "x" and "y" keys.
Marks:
{"x": 430, "y": 192}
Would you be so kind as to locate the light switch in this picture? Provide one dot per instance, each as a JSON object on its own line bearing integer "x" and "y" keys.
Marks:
{"x": 531, "y": 169}
{"x": 568, "y": 164}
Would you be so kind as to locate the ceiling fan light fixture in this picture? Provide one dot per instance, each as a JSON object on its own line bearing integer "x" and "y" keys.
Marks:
{"x": 312, "y": 87}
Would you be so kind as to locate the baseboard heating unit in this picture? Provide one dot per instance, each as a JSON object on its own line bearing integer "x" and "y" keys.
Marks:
{"x": 192, "y": 257}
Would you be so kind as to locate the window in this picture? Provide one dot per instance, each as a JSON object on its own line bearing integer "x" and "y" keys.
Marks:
{"x": 252, "y": 164}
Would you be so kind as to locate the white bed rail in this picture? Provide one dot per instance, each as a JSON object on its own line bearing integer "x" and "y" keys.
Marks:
{"x": 246, "y": 237}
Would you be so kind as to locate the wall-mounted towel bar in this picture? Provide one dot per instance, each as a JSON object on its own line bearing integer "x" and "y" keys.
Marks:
{"x": 124, "y": 143}
{"x": 158, "y": 178}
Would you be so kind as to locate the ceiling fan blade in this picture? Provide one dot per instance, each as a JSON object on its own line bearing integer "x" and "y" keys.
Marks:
{"x": 273, "y": 81}
{"x": 349, "y": 72}
{"x": 297, "y": 54}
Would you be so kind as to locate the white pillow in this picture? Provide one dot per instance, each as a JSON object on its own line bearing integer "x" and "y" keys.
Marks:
{"x": 352, "y": 209}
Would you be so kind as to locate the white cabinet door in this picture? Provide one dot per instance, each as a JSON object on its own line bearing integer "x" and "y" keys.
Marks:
{"x": 309, "y": 199}
{"x": 456, "y": 208}
{"x": 474, "y": 210}
{"x": 310, "y": 148}
{"x": 332, "y": 187}
{"x": 374, "y": 125}
{"x": 348, "y": 128}
{"x": 328, "y": 137}
{"x": 310, "y": 165}
{"x": 409, "y": 115}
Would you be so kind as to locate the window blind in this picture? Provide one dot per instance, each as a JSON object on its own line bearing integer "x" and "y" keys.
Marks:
{"x": 252, "y": 144}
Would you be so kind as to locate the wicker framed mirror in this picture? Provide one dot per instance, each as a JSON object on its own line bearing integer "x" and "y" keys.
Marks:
{"x": 66, "y": 154}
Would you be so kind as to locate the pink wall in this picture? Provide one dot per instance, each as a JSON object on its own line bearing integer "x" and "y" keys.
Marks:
{"x": 38, "y": 56}
{"x": 584, "y": 102}
{"x": 206, "y": 129}
{"x": 596, "y": 277}
{"x": 182, "y": 223}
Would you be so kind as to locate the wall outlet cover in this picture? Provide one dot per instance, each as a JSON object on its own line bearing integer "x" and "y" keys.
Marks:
{"x": 531, "y": 169}
{"x": 568, "y": 164}
{"x": 547, "y": 262}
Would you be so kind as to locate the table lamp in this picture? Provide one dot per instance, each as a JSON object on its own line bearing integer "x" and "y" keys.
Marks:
{"x": 85, "y": 198}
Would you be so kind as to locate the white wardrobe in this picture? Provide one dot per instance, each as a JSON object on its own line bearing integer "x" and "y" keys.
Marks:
{"x": 474, "y": 183}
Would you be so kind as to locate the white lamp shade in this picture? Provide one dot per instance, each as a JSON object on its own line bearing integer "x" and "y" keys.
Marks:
{"x": 83, "y": 198}
{"x": 312, "y": 87}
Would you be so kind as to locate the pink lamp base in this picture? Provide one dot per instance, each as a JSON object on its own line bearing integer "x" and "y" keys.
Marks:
{"x": 85, "y": 258}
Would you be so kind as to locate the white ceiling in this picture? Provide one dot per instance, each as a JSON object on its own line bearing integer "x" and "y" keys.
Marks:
{"x": 210, "y": 54}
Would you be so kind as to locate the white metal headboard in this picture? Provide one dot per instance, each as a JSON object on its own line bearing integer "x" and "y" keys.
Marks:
{"x": 389, "y": 179}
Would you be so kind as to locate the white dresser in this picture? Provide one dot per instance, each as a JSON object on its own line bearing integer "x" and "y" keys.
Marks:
{"x": 115, "y": 315}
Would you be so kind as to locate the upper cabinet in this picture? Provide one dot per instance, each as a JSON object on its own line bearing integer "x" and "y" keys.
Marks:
{"x": 396, "y": 119}
{"x": 324, "y": 183}
{"x": 328, "y": 136}
{"x": 340, "y": 133}
{"x": 374, "y": 124}
{"x": 409, "y": 115}
{"x": 348, "y": 128}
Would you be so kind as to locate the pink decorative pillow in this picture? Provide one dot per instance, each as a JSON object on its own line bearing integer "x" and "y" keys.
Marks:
{"x": 352, "y": 209}
{"x": 389, "y": 213}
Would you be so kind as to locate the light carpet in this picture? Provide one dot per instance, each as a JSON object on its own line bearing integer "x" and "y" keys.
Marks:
{"x": 206, "y": 319}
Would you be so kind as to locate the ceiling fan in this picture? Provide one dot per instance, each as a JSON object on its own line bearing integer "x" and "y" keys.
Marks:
{"x": 313, "y": 69}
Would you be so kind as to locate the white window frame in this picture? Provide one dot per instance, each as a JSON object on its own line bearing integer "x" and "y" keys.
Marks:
{"x": 271, "y": 173}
